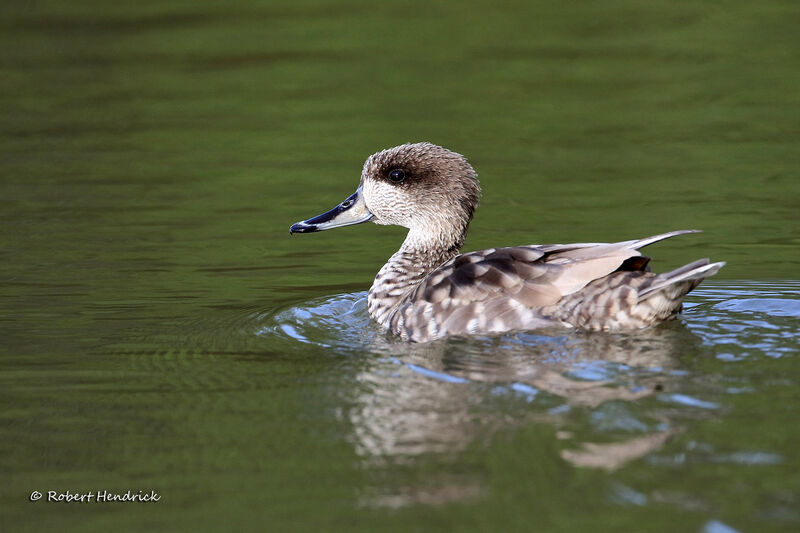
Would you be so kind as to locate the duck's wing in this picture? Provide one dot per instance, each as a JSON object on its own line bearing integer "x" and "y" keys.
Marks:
{"x": 585, "y": 262}
{"x": 507, "y": 285}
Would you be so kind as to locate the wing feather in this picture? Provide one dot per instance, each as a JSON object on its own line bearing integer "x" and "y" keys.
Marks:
{"x": 488, "y": 289}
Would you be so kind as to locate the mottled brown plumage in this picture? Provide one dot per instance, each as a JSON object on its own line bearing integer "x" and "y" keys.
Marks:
{"x": 426, "y": 291}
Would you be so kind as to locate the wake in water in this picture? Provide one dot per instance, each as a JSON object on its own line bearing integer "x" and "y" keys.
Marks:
{"x": 636, "y": 389}
{"x": 714, "y": 313}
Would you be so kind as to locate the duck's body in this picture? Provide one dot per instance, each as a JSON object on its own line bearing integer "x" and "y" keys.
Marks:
{"x": 588, "y": 286}
{"x": 427, "y": 290}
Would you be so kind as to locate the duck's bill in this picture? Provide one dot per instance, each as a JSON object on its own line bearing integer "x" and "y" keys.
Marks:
{"x": 351, "y": 211}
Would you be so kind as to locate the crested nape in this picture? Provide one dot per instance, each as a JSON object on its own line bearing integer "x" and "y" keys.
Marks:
{"x": 435, "y": 199}
{"x": 427, "y": 291}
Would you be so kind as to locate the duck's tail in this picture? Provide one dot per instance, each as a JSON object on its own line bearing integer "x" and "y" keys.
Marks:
{"x": 630, "y": 298}
{"x": 679, "y": 282}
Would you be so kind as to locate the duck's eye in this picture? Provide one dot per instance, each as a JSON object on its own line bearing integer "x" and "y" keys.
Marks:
{"x": 397, "y": 175}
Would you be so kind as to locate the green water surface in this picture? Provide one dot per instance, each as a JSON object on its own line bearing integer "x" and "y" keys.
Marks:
{"x": 161, "y": 331}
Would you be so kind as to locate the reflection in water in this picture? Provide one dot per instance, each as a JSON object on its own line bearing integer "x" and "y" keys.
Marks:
{"x": 614, "y": 455}
{"x": 427, "y": 398}
{"x": 413, "y": 400}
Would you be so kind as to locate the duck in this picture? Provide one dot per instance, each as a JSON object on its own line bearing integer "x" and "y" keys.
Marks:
{"x": 428, "y": 290}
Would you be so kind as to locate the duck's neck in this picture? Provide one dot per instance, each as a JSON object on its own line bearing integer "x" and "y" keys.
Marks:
{"x": 420, "y": 254}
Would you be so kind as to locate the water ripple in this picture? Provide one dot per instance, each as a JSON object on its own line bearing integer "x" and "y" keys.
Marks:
{"x": 635, "y": 389}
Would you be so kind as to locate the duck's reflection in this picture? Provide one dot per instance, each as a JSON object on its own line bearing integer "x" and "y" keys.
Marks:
{"x": 441, "y": 397}
{"x": 412, "y": 402}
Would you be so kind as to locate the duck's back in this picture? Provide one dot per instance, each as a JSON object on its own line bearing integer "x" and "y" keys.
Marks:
{"x": 593, "y": 286}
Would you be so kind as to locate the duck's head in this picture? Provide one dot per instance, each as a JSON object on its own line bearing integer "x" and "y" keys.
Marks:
{"x": 420, "y": 186}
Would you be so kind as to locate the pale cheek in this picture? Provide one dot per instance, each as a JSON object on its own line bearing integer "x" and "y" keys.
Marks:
{"x": 388, "y": 203}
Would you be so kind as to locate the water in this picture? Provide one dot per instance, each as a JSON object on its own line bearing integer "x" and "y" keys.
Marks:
{"x": 161, "y": 331}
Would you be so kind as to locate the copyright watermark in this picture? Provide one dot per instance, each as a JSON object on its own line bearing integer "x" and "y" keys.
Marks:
{"x": 96, "y": 496}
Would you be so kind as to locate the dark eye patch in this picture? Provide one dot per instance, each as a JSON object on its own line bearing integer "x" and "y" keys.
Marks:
{"x": 396, "y": 175}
